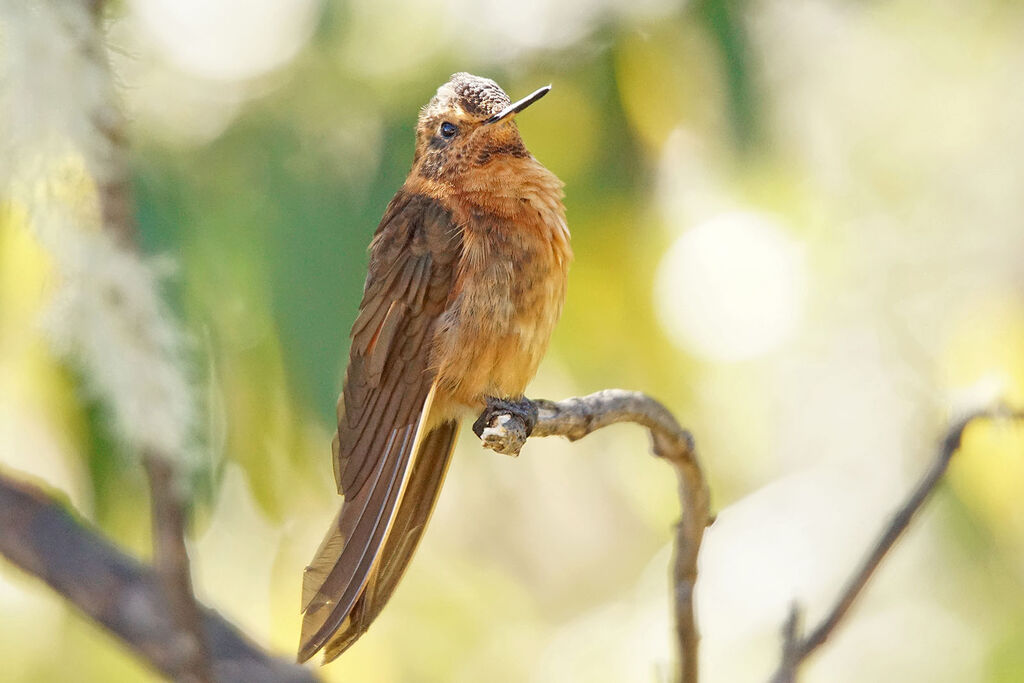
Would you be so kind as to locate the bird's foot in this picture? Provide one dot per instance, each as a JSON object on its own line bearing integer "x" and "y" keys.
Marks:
{"x": 505, "y": 424}
{"x": 524, "y": 409}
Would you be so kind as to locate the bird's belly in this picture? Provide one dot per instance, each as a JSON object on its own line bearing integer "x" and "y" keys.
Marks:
{"x": 497, "y": 330}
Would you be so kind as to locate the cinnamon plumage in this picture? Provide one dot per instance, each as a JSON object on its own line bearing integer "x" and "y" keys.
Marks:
{"x": 466, "y": 280}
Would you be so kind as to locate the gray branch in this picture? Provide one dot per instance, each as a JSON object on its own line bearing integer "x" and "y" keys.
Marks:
{"x": 796, "y": 648}
{"x": 575, "y": 418}
{"x": 41, "y": 537}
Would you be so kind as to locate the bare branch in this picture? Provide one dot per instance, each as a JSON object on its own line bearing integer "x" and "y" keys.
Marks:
{"x": 574, "y": 418}
{"x": 170, "y": 559}
{"x": 42, "y": 538}
{"x": 796, "y": 649}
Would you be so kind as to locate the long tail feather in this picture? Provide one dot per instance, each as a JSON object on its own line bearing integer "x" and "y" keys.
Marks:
{"x": 372, "y": 540}
{"x": 410, "y": 521}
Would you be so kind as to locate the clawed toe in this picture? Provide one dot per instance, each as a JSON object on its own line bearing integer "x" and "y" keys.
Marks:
{"x": 524, "y": 409}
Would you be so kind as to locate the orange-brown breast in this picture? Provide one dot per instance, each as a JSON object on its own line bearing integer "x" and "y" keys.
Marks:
{"x": 510, "y": 283}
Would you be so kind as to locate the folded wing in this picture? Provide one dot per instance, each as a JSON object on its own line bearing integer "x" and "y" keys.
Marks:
{"x": 390, "y": 451}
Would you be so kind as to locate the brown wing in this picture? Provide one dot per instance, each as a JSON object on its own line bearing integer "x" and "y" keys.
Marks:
{"x": 383, "y": 407}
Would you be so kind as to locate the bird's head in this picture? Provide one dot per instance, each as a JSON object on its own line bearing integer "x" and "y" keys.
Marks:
{"x": 467, "y": 125}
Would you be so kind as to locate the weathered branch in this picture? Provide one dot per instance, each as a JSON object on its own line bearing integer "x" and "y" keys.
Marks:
{"x": 574, "y": 418}
{"x": 796, "y": 648}
{"x": 42, "y": 538}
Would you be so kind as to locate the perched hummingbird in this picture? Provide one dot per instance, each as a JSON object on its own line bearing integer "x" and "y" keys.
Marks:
{"x": 466, "y": 280}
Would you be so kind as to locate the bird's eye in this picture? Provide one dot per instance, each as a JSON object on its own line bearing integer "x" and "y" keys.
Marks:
{"x": 448, "y": 129}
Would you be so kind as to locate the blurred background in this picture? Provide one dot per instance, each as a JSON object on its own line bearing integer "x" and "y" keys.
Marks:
{"x": 798, "y": 223}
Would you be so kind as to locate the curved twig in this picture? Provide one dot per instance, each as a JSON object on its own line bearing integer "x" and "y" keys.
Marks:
{"x": 575, "y": 418}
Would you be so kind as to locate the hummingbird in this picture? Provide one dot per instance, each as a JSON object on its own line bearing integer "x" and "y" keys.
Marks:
{"x": 466, "y": 280}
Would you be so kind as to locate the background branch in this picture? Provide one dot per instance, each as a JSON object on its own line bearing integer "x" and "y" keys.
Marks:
{"x": 163, "y": 469}
{"x": 43, "y": 539}
{"x": 171, "y": 562}
{"x": 797, "y": 648}
{"x": 574, "y": 418}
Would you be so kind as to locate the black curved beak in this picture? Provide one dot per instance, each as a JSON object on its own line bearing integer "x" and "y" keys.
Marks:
{"x": 516, "y": 107}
